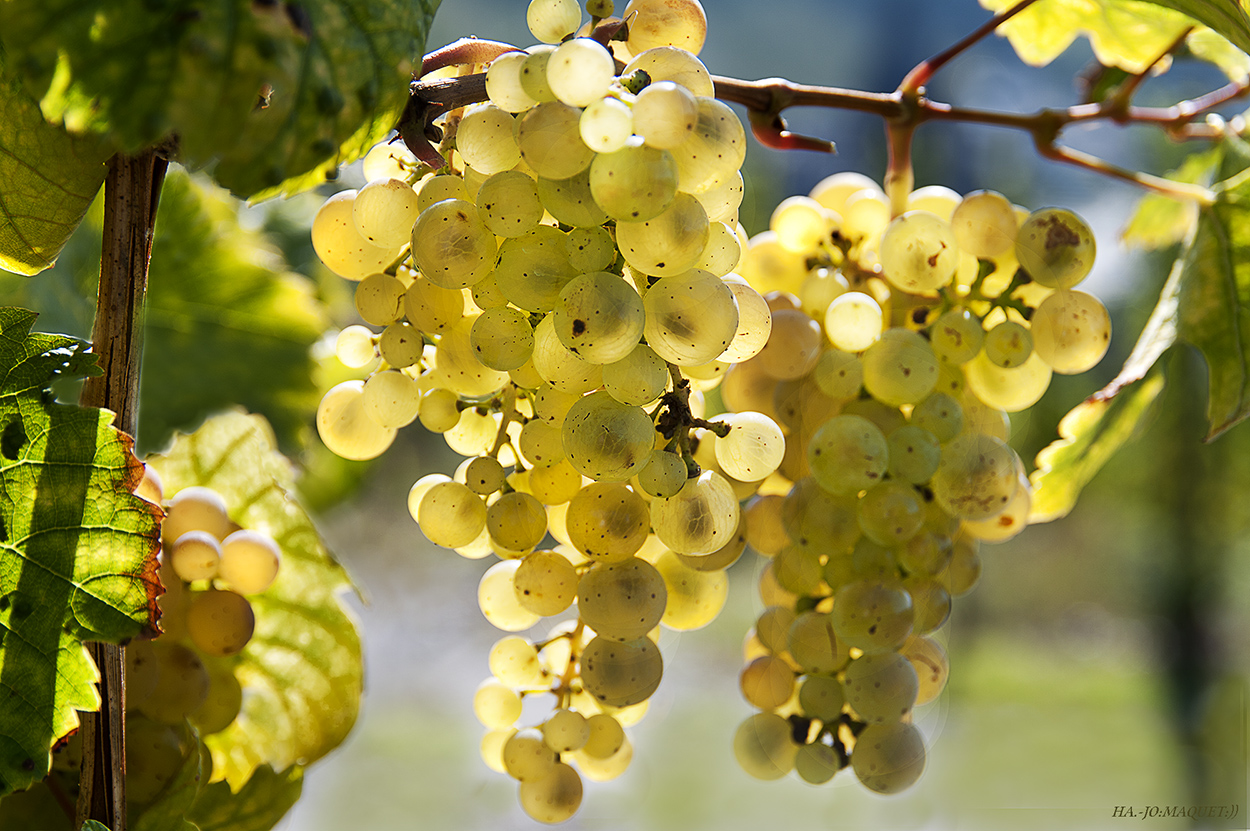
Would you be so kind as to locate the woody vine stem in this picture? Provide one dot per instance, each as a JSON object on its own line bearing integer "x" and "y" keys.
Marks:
{"x": 903, "y": 110}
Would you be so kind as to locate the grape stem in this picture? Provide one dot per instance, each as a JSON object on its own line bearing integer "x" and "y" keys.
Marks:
{"x": 508, "y": 411}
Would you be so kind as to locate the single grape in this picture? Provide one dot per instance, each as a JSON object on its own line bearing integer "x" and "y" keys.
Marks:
{"x": 220, "y": 622}
{"x": 889, "y": 758}
{"x": 1071, "y": 331}
{"x": 853, "y": 321}
{"x": 764, "y": 746}
{"x": 1056, "y": 247}
{"x": 249, "y": 561}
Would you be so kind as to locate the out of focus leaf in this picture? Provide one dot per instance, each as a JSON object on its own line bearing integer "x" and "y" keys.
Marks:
{"x": 302, "y": 669}
{"x": 167, "y": 812}
{"x": 258, "y": 806}
{"x": 1159, "y": 220}
{"x": 77, "y": 547}
{"x": 1227, "y": 17}
{"x": 49, "y": 176}
{"x": 274, "y": 94}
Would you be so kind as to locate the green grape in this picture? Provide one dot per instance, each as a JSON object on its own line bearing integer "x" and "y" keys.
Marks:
{"x": 565, "y": 731}
{"x": 813, "y": 645}
{"x": 484, "y": 475}
{"x": 195, "y": 509}
{"x": 552, "y": 405}
{"x": 502, "y": 338}
{"x": 380, "y": 299}
{"x": 153, "y": 758}
{"x": 821, "y": 697}
{"x": 346, "y": 428}
{"x": 793, "y": 347}
{"x": 439, "y": 410}
{"x": 929, "y": 660}
{"x": 885, "y": 417}
{"x": 436, "y": 188}
{"x": 559, "y": 367}
{"x": 889, "y": 758}
{"x": 926, "y": 554}
{"x": 551, "y": 142}
{"x": 599, "y": 317}
{"x": 605, "y": 736}
{"x": 542, "y": 445}
{"x": 1071, "y": 331}
{"x": 485, "y": 139}
{"x": 723, "y": 251}
{"x": 873, "y": 616}
{"x": 514, "y": 661}
{"x": 534, "y": 73}
{"x": 819, "y": 288}
{"x": 392, "y": 399}
{"x": 579, "y": 71}
{"x": 801, "y": 223}
{"x": 1008, "y": 345}
{"x": 700, "y": 519}
{"x": 773, "y": 628}
{"x": 142, "y": 674}
{"x": 622, "y": 601}
{"x": 723, "y": 557}
{"x": 1009, "y": 523}
{"x": 753, "y": 447}
{"x": 722, "y": 202}
{"x": 881, "y": 688}
{"x": 939, "y": 414}
{"x": 606, "y": 769}
{"x": 797, "y": 570}
{"x": 715, "y": 149}
{"x": 833, "y": 191}
{"x": 340, "y": 246}
{"x": 195, "y": 556}
{"x": 249, "y": 561}
{"x": 890, "y": 513}
{"x": 665, "y": 114}
{"x": 608, "y": 522}
{"x": 508, "y": 204}
{"x": 1013, "y": 389}
{"x": 767, "y": 682}
{"x": 663, "y": 475}
{"x": 871, "y": 559}
{"x": 527, "y": 758}
{"x": 545, "y": 583}
{"x": 388, "y": 161}
{"x": 1056, "y": 247}
{"x": 770, "y": 268}
{"x": 401, "y": 345}
{"x": 980, "y": 417}
{"x": 183, "y": 685}
{"x": 533, "y": 268}
{"x": 900, "y": 368}
{"x": 354, "y": 347}
{"x": 451, "y": 515}
{"x": 606, "y": 125}
{"x": 656, "y": 23}
{"x": 600, "y": 8}
{"x": 668, "y": 63}
{"x": 669, "y": 243}
{"x": 918, "y": 252}
{"x": 840, "y": 375}
{"x": 606, "y": 440}
{"x": 474, "y": 435}
{"x": 503, "y": 83}
{"x": 551, "y": 21}
{"x": 498, "y": 600}
{"x": 634, "y": 183}
{"x": 432, "y": 309}
{"x": 496, "y": 705}
{"x": 554, "y": 798}
{"x": 977, "y": 477}
{"x": 220, "y": 622}
{"x": 590, "y": 249}
{"x": 848, "y": 454}
{"x": 695, "y": 597}
{"x": 223, "y": 704}
{"x": 964, "y": 569}
{"x": 691, "y": 318}
{"x": 813, "y": 517}
{"x": 985, "y": 224}
{"x": 638, "y": 378}
{"x": 458, "y": 366}
{"x": 571, "y": 202}
{"x": 853, "y": 321}
{"x": 556, "y": 484}
{"x": 936, "y": 199}
{"x": 914, "y": 454}
{"x": 957, "y": 336}
{"x": 451, "y": 246}
{"x": 816, "y": 763}
{"x": 765, "y": 526}
{"x": 931, "y": 601}
{"x": 620, "y": 674}
{"x": 764, "y": 746}
{"x": 517, "y": 521}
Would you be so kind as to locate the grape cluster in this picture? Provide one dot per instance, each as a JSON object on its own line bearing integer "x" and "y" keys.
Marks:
{"x": 552, "y": 302}
{"x": 208, "y": 565}
{"x": 899, "y": 345}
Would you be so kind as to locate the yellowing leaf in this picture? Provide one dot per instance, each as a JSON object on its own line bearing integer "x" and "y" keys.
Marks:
{"x": 1159, "y": 220}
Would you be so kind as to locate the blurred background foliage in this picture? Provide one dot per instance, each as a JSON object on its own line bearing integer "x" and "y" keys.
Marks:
{"x": 1101, "y": 662}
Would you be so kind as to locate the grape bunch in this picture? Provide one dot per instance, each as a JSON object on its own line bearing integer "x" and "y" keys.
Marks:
{"x": 898, "y": 347}
{"x": 553, "y": 301}
{"x": 208, "y": 565}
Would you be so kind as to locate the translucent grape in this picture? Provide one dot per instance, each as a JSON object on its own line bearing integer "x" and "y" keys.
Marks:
{"x": 437, "y": 187}
{"x": 606, "y": 125}
{"x": 384, "y": 211}
{"x": 793, "y": 347}
{"x": 691, "y": 319}
{"x": 918, "y": 252}
{"x": 508, "y": 204}
{"x": 977, "y": 477}
{"x": 517, "y": 521}
{"x": 388, "y": 161}
{"x": 340, "y": 246}
{"x": 664, "y": 474}
{"x": 715, "y": 149}
{"x": 605, "y": 737}
{"x": 220, "y": 622}
{"x": 767, "y": 682}
{"x": 497, "y": 598}
{"x": 599, "y": 317}
{"x": 249, "y": 561}
{"x": 847, "y": 454}
{"x": 431, "y": 308}
{"x": 931, "y": 601}
{"x": 551, "y": 142}
{"x": 354, "y": 347}
{"x": 608, "y": 522}
{"x": 496, "y": 705}
{"x": 929, "y": 660}
{"x": 890, "y": 513}
{"x": 623, "y": 600}
{"x": 195, "y": 509}
{"x": 346, "y": 428}
{"x": 821, "y": 697}
{"x": 458, "y": 364}
{"x": 392, "y": 399}
{"x": 669, "y": 243}
{"x": 638, "y": 378}
{"x": 764, "y": 747}
{"x": 451, "y": 246}
{"x": 984, "y": 224}
{"x": 816, "y": 763}
{"x": 1071, "y": 331}
{"x": 542, "y": 444}
{"x": 554, "y": 798}
{"x": 853, "y": 321}
{"x": 722, "y": 200}
{"x": 579, "y": 71}
{"x": 527, "y": 758}
{"x": 1009, "y": 523}
{"x": 668, "y": 63}
{"x": 873, "y": 616}
{"x": 195, "y": 556}
{"x": 723, "y": 251}
{"x": 533, "y": 268}
{"x": 503, "y": 83}
{"x": 571, "y": 202}
{"x": 695, "y": 597}
{"x": 590, "y": 249}
{"x": 1056, "y": 247}
{"x": 881, "y": 688}
{"x": 801, "y": 223}
{"x": 551, "y": 21}
{"x": 957, "y": 336}
{"x": 484, "y": 475}
{"x": 534, "y": 73}
{"x": 889, "y": 758}
{"x": 1008, "y": 345}
{"x": 451, "y": 515}
{"x": 380, "y": 299}
{"x": 545, "y": 583}
{"x": 223, "y": 704}
{"x": 183, "y": 685}
{"x": 914, "y": 454}
{"x": 502, "y": 338}
{"x": 939, "y": 414}
{"x": 606, "y": 440}
{"x": 485, "y": 139}
{"x": 813, "y": 644}
{"x": 619, "y": 674}
{"x": 439, "y": 411}
{"x": 753, "y": 447}
{"x": 900, "y": 368}
{"x": 655, "y": 23}
{"x": 634, "y": 183}
{"x": 1013, "y": 389}
{"x": 755, "y": 322}
{"x": 565, "y": 731}
{"x": 153, "y": 759}
{"x": 514, "y": 661}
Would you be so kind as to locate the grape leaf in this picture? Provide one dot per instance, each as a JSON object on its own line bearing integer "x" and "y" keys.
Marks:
{"x": 276, "y": 95}
{"x": 1214, "y": 302}
{"x": 50, "y": 178}
{"x": 94, "y": 825}
{"x": 77, "y": 547}
{"x": 302, "y": 669}
{"x": 258, "y": 806}
{"x": 1226, "y": 17}
{"x": 1159, "y": 220}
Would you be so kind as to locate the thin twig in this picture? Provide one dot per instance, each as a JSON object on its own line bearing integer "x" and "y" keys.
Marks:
{"x": 915, "y": 80}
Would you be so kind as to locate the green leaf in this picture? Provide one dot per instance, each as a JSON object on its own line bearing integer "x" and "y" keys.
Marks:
{"x": 167, "y": 812}
{"x": 1214, "y": 302}
{"x": 218, "y": 298}
{"x": 258, "y": 806}
{"x": 302, "y": 669}
{"x": 50, "y": 178}
{"x": 1227, "y": 17}
{"x": 94, "y": 825}
{"x": 1159, "y": 220}
{"x": 37, "y": 809}
{"x": 334, "y": 74}
{"x": 77, "y": 547}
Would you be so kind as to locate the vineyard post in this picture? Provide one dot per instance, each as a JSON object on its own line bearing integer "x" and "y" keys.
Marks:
{"x": 131, "y": 192}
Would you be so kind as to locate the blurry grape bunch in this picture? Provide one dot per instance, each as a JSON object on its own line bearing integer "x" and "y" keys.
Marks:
{"x": 555, "y": 300}
{"x": 208, "y": 566}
